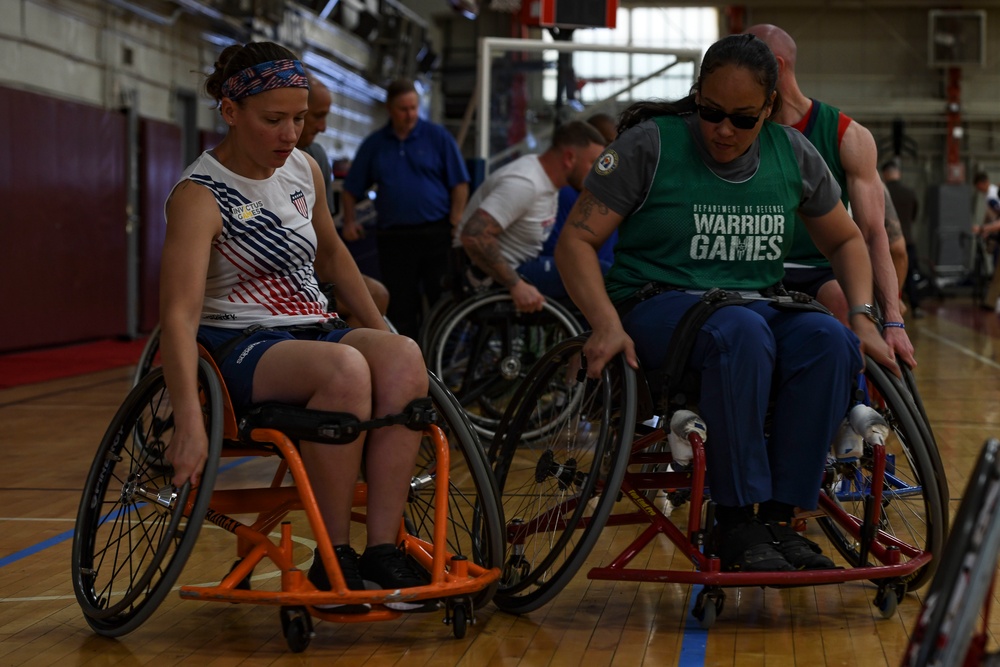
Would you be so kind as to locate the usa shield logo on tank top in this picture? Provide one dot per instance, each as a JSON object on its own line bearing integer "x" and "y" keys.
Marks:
{"x": 299, "y": 199}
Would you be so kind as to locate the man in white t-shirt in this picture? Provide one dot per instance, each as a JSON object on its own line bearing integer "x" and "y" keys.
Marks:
{"x": 510, "y": 215}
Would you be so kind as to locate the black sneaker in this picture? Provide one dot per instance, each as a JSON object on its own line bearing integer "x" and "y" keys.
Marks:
{"x": 747, "y": 547}
{"x": 801, "y": 552}
{"x": 389, "y": 568}
{"x": 348, "y": 560}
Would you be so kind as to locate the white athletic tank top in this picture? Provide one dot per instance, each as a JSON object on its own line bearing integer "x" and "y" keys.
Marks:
{"x": 261, "y": 267}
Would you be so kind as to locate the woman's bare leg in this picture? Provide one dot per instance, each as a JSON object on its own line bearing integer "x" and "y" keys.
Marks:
{"x": 398, "y": 376}
{"x": 322, "y": 376}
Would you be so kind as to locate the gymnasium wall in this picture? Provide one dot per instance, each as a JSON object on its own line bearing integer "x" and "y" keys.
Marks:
{"x": 62, "y": 259}
{"x": 70, "y": 68}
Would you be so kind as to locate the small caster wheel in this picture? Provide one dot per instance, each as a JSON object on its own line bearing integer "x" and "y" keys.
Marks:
{"x": 707, "y": 607}
{"x": 459, "y": 621}
{"x": 886, "y": 599}
{"x": 706, "y": 619}
{"x": 515, "y": 570}
{"x": 296, "y": 625}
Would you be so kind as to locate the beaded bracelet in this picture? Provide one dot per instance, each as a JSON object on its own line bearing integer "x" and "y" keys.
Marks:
{"x": 898, "y": 325}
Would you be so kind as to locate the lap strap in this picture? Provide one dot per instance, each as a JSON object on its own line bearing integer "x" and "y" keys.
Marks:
{"x": 685, "y": 334}
{"x": 335, "y": 428}
{"x": 682, "y": 340}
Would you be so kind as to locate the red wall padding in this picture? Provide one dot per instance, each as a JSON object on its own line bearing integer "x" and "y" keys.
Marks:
{"x": 62, "y": 257}
{"x": 161, "y": 162}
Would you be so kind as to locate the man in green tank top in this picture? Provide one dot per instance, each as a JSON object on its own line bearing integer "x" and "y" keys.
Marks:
{"x": 851, "y": 154}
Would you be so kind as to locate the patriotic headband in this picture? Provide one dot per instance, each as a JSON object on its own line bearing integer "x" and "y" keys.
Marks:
{"x": 265, "y": 76}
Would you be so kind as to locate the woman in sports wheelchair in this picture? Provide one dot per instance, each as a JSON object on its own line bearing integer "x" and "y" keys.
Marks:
{"x": 243, "y": 284}
{"x": 699, "y": 191}
{"x": 254, "y": 364}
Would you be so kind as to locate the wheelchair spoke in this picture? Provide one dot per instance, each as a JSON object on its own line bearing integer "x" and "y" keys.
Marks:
{"x": 134, "y": 531}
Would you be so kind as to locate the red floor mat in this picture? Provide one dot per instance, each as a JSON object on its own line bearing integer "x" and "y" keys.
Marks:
{"x": 52, "y": 364}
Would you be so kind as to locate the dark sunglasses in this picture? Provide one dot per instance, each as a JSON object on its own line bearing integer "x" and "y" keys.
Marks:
{"x": 740, "y": 121}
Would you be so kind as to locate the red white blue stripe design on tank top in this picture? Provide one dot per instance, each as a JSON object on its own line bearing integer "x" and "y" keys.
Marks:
{"x": 261, "y": 266}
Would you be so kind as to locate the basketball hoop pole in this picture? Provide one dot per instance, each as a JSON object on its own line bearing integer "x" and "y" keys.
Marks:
{"x": 489, "y": 45}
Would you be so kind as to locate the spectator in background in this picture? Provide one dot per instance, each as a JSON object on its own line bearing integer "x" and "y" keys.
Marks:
{"x": 904, "y": 200}
{"x": 991, "y": 218}
{"x": 513, "y": 212}
{"x": 989, "y": 232}
{"x": 314, "y": 124}
{"x": 423, "y": 186}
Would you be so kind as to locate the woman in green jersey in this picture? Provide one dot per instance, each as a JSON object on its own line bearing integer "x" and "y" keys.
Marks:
{"x": 702, "y": 193}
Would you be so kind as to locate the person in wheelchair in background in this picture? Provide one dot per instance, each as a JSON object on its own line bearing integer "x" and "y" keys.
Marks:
{"x": 702, "y": 192}
{"x": 512, "y": 213}
{"x": 249, "y": 234}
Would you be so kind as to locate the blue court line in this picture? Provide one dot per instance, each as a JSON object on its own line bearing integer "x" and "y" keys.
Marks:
{"x": 62, "y": 537}
{"x": 695, "y": 640}
{"x": 32, "y": 550}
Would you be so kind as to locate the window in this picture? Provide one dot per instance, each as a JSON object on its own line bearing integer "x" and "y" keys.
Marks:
{"x": 600, "y": 75}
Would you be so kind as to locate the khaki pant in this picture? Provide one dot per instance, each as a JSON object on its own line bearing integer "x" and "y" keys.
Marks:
{"x": 993, "y": 293}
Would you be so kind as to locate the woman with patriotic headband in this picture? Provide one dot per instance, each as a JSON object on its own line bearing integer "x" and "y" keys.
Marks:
{"x": 246, "y": 245}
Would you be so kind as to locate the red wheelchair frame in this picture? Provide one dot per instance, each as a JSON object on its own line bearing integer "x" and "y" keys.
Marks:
{"x": 577, "y": 482}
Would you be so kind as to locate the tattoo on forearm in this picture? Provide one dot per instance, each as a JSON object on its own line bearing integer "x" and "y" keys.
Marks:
{"x": 893, "y": 229}
{"x": 480, "y": 238}
{"x": 585, "y": 207}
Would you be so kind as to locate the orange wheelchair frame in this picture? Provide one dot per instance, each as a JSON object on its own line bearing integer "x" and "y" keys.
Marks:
{"x": 135, "y": 531}
{"x": 603, "y": 448}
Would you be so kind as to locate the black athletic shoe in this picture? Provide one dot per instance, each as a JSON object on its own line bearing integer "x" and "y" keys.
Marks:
{"x": 747, "y": 547}
{"x": 389, "y": 568}
{"x": 801, "y": 552}
{"x": 348, "y": 560}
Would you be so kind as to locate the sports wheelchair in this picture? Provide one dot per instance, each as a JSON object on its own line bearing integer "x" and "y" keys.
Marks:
{"x": 605, "y": 460}
{"x": 135, "y": 531}
{"x": 948, "y": 629}
{"x": 480, "y": 346}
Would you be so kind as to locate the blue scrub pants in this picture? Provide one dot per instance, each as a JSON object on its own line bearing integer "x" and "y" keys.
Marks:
{"x": 541, "y": 272}
{"x": 748, "y": 355}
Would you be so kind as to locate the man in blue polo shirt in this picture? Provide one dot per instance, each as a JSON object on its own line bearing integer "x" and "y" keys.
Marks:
{"x": 422, "y": 188}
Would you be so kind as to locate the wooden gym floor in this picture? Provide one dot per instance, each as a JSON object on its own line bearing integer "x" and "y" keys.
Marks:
{"x": 50, "y": 430}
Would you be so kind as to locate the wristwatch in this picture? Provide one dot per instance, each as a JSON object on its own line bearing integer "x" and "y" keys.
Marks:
{"x": 865, "y": 309}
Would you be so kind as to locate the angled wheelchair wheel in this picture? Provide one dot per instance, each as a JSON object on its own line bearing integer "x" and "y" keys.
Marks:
{"x": 944, "y": 631}
{"x": 134, "y": 530}
{"x": 908, "y": 388}
{"x": 483, "y": 347}
{"x": 150, "y": 357}
{"x": 434, "y": 316}
{"x": 914, "y": 493}
{"x": 557, "y": 491}
{"x": 148, "y": 360}
{"x": 474, "y": 523}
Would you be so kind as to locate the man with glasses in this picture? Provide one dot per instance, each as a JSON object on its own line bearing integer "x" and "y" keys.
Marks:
{"x": 851, "y": 154}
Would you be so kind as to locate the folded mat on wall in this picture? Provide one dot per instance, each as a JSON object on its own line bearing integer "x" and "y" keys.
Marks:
{"x": 54, "y": 363}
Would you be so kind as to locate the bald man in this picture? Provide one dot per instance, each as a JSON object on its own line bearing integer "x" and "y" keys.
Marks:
{"x": 851, "y": 154}
{"x": 314, "y": 124}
